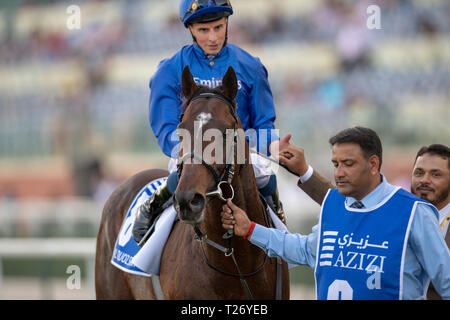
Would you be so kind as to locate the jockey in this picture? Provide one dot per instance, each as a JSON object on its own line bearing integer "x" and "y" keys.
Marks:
{"x": 209, "y": 58}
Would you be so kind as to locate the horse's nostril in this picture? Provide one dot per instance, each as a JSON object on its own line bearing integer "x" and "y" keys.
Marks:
{"x": 197, "y": 202}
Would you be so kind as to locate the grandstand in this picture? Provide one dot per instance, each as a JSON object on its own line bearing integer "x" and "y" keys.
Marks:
{"x": 108, "y": 62}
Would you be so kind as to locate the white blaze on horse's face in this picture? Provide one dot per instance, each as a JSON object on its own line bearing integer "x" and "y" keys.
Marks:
{"x": 203, "y": 118}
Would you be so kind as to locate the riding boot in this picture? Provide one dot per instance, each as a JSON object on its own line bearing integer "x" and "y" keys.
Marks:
{"x": 278, "y": 206}
{"x": 149, "y": 211}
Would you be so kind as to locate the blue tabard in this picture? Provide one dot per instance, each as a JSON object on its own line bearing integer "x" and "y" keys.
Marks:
{"x": 361, "y": 252}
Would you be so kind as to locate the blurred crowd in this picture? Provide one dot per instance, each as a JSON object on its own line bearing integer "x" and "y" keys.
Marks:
{"x": 60, "y": 96}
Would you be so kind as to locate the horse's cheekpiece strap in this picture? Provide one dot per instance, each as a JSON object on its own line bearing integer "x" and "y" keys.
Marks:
{"x": 193, "y": 155}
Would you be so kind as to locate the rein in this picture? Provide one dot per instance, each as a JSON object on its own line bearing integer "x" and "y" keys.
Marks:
{"x": 229, "y": 251}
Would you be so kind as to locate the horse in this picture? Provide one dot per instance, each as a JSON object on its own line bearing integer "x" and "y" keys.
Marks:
{"x": 216, "y": 266}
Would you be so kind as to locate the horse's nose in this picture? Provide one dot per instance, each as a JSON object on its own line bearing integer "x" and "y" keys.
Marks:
{"x": 190, "y": 204}
{"x": 197, "y": 203}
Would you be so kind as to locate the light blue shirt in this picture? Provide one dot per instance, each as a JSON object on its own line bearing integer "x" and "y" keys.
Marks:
{"x": 426, "y": 253}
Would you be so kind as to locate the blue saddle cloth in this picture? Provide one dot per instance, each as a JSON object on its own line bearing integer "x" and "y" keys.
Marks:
{"x": 126, "y": 248}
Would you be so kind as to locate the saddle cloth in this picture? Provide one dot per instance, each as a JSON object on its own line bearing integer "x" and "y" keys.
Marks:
{"x": 145, "y": 261}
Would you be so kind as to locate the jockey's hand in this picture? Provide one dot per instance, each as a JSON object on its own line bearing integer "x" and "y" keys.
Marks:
{"x": 235, "y": 217}
{"x": 279, "y": 145}
{"x": 294, "y": 158}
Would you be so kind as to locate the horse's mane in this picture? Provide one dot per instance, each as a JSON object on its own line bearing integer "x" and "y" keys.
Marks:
{"x": 203, "y": 89}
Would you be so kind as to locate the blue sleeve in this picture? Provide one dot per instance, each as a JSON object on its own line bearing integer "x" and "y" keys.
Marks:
{"x": 262, "y": 109}
{"x": 293, "y": 248}
{"x": 430, "y": 248}
{"x": 165, "y": 108}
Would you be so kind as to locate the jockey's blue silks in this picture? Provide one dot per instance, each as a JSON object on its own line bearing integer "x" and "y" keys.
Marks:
{"x": 254, "y": 100}
{"x": 361, "y": 252}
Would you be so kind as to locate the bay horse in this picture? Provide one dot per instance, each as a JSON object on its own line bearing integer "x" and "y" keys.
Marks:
{"x": 193, "y": 269}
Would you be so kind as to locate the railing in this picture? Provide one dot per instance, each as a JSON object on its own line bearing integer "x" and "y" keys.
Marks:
{"x": 33, "y": 248}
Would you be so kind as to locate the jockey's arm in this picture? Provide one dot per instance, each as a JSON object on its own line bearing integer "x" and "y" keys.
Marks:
{"x": 165, "y": 109}
{"x": 262, "y": 111}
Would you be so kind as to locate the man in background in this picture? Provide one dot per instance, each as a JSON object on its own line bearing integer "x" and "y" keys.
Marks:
{"x": 430, "y": 180}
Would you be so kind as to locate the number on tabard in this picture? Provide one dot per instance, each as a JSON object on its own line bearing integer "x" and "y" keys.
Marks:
{"x": 340, "y": 290}
{"x": 125, "y": 232}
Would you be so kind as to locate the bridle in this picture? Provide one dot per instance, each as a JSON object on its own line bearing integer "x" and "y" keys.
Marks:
{"x": 224, "y": 190}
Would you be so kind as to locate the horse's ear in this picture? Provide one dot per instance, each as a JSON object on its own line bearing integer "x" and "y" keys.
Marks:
{"x": 188, "y": 85}
{"x": 230, "y": 84}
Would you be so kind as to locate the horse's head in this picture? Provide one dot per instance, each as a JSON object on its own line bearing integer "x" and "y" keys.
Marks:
{"x": 207, "y": 133}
